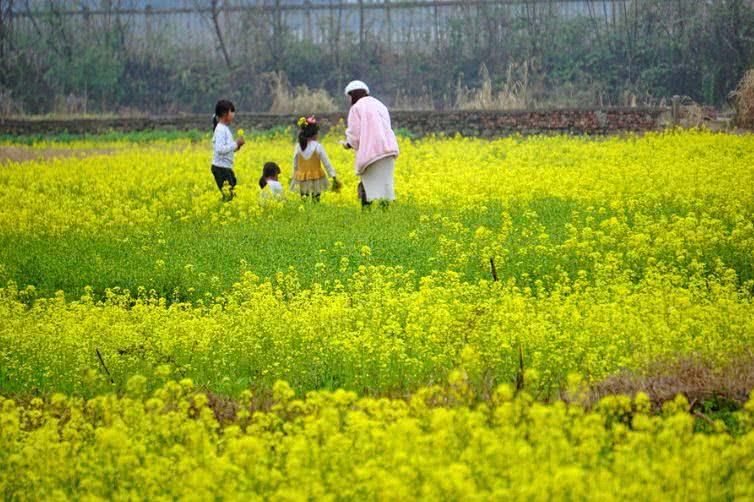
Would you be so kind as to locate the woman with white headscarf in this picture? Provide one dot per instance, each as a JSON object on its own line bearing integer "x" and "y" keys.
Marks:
{"x": 370, "y": 133}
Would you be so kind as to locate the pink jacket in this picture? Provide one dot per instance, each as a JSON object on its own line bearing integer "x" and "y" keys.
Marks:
{"x": 370, "y": 133}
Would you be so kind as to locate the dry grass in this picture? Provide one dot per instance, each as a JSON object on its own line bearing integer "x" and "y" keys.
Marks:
{"x": 423, "y": 102}
{"x": 8, "y": 106}
{"x": 630, "y": 99}
{"x": 288, "y": 100}
{"x": 694, "y": 115}
{"x": 513, "y": 95}
{"x": 12, "y": 153}
{"x": 697, "y": 380}
{"x": 743, "y": 100}
{"x": 225, "y": 409}
{"x": 71, "y": 105}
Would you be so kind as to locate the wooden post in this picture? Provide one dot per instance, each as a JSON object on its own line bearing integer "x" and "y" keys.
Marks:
{"x": 102, "y": 362}
{"x": 676, "y": 113}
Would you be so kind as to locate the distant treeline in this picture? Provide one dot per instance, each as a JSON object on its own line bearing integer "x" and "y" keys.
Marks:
{"x": 474, "y": 54}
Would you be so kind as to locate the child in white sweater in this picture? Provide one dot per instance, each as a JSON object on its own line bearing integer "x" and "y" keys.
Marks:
{"x": 224, "y": 147}
{"x": 269, "y": 182}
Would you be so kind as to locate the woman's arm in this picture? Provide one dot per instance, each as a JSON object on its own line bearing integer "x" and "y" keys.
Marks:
{"x": 353, "y": 132}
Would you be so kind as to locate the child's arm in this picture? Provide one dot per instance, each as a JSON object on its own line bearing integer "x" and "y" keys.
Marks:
{"x": 295, "y": 168}
{"x": 325, "y": 160}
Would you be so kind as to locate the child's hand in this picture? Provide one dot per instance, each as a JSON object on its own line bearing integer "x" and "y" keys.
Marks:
{"x": 240, "y": 142}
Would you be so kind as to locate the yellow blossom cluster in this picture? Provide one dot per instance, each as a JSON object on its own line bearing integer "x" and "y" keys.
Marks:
{"x": 434, "y": 445}
{"x": 378, "y": 331}
{"x": 111, "y": 187}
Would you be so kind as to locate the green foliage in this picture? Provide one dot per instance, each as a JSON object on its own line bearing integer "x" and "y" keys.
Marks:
{"x": 112, "y": 136}
{"x": 651, "y": 49}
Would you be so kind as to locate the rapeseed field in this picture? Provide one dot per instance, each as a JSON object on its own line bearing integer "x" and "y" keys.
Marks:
{"x": 157, "y": 342}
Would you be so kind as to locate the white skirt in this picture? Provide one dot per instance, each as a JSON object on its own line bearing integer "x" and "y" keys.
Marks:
{"x": 310, "y": 187}
{"x": 378, "y": 179}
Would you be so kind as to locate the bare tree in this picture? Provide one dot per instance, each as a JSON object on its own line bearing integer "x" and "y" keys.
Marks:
{"x": 215, "y": 14}
{"x": 58, "y": 24}
{"x": 572, "y": 52}
{"x": 277, "y": 34}
{"x": 336, "y": 23}
{"x": 6, "y": 27}
{"x": 214, "y": 17}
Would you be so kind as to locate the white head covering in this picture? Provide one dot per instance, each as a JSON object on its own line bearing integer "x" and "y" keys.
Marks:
{"x": 355, "y": 85}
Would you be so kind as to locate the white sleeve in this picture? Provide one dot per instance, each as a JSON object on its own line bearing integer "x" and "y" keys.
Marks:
{"x": 295, "y": 167}
{"x": 325, "y": 160}
{"x": 295, "y": 162}
{"x": 225, "y": 144}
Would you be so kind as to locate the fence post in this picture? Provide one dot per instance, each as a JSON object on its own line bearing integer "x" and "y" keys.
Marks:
{"x": 676, "y": 110}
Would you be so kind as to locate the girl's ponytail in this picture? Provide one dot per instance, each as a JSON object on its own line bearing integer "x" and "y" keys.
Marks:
{"x": 214, "y": 122}
{"x": 303, "y": 140}
{"x": 262, "y": 182}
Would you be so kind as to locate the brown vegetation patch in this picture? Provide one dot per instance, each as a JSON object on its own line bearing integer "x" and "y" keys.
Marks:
{"x": 743, "y": 100}
{"x": 701, "y": 382}
{"x": 26, "y": 154}
{"x": 224, "y": 408}
{"x": 299, "y": 100}
{"x": 697, "y": 380}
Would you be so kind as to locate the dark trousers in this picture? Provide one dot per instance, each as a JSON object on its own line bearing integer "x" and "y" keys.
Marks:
{"x": 223, "y": 174}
